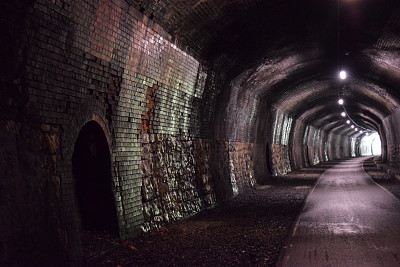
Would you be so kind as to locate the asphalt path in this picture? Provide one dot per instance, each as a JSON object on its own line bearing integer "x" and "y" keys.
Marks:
{"x": 347, "y": 220}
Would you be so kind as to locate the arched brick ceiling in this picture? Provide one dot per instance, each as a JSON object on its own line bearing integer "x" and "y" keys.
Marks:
{"x": 247, "y": 29}
{"x": 367, "y": 102}
{"x": 315, "y": 101}
{"x": 321, "y": 117}
{"x": 329, "y": 105}
{"x": 325, "y": 89}
{"x": 312, "y": 105}
{"x": 343, "y": 130}
{"x": 287, "y": 52}
{"x": 214, "y": 27}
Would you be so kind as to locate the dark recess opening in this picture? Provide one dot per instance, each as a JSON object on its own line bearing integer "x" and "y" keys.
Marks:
{"x": 269, "y": 158}
{"x": 91, "y": 165}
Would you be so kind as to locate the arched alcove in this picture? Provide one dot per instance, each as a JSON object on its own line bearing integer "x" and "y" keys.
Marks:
{"x": 91, "y": 163}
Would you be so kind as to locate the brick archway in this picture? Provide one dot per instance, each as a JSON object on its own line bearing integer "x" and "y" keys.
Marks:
{"x": 93, "y": 111}
{"x": 91, "y": 166}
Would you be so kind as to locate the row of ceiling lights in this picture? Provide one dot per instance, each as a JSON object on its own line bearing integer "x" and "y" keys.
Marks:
{"x": 343, "y": 76}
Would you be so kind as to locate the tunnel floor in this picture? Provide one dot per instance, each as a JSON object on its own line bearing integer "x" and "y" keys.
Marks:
{"x": 255, "y": 227}
{"x": 348, "y": 220}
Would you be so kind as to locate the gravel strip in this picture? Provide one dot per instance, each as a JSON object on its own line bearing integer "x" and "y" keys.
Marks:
{"x": 248, "y": 230}
{"x": 382, "y": 178}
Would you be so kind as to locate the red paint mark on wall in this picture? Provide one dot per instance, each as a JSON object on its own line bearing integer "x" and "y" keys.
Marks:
{"x": 147, "y": 118}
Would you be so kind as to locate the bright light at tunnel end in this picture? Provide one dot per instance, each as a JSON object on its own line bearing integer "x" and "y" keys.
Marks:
{"x": 342, "y": 75}
{"x": 370, "y": 144}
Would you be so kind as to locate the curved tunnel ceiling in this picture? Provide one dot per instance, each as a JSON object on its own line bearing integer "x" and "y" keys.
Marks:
{"x": 288, "y": 52}
{"x": 315, "y": 103}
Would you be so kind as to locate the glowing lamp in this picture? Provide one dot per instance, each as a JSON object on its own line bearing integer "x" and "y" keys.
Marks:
{"x": 342, "y": 75}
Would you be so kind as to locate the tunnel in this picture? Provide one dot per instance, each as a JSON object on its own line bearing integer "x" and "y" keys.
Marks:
{"x": 127, "y": 116}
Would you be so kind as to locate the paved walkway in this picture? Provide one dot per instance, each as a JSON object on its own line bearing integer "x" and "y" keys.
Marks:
{"x": 347, "y": 220}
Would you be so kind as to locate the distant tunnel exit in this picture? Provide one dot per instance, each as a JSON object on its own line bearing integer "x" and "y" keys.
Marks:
{"x": 371, "y": 145}
{"x": 92, "y": 173}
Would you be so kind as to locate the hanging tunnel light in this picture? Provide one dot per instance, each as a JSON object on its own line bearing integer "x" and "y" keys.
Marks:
{"x": 352, "y": 126}
{"x": 343, "y": 114}
{"x": 341, "y": 101}
{"x": 342, "y": 75}
{"x": 361, "y": 131}
{"x": 356, "y": 129}
{"x": 348, "y": 121}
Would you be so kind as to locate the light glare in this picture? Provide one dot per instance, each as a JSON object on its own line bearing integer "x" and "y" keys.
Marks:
{"x": 343, "y": 75}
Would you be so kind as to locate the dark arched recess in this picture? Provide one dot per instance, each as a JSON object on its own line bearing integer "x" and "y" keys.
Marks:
{"x": 91, "y": 164}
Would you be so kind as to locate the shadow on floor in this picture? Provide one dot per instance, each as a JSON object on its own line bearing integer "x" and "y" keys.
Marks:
{"x": 250, "y": 229}
{"x": 305, "y": 176}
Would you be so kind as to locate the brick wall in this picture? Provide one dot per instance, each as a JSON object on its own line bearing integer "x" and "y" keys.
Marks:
{"x": 280, "y": 148}
{"x": 307, "y": 145}
{"x": 72, "y": 62}
{"x": 67, "y": 62}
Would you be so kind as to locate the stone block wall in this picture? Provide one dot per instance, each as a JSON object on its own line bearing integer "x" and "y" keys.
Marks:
{"x": 30, "y": 195}
{"x": 280, "y": 159}
{"x": 241, "y": 165}
{"x": 176, "y": 178}
{"x": 232, "y": 168}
